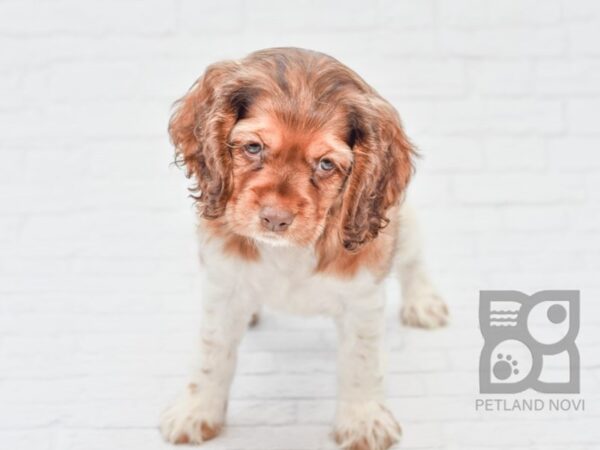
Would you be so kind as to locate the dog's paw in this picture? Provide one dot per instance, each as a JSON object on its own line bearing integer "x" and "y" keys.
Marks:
{"x": 426, "y": 311}
{"x": 365, "y": 426}
{"x": 193, "y": 418}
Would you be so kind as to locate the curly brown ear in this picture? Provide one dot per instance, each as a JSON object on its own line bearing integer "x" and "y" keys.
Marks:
{"x": 199, "y": 128}
{"x": 381, "y": 170}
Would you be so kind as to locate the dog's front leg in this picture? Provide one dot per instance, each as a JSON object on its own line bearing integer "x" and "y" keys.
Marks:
{"x": 199, "y": 413}
{"x": 362, "y": 421}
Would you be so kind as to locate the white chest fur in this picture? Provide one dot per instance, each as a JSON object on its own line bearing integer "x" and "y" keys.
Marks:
{"x": 284, "y": 278}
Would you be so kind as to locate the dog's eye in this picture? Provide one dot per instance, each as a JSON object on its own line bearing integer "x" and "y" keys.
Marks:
{"x": 326, "y": 165}
{"x": 253, "y": 148}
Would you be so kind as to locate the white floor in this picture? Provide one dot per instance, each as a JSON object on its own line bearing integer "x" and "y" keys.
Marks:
{"x": 79, "y": 373}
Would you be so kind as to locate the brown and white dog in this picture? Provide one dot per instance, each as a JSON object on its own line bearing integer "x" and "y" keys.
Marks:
{"x": 300, "y": 169}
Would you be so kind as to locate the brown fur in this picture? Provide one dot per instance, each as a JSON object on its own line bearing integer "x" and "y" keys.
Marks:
{"x": 242, "y": 247}
{"x": 299, "y": 105}
{"x": 233, "y": 244}
{"x": 209, "y": 432}
{"x": 375, "y": 256}
{"x": 362, "y": 443}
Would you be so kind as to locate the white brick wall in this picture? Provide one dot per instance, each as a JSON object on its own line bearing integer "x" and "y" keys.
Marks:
{"x": 98, "y": 285}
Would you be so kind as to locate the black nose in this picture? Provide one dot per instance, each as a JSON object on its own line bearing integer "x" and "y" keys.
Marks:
{"x": 275, "y": 219}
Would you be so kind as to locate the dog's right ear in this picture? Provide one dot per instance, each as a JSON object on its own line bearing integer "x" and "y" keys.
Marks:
{"x": 199, "y": 128}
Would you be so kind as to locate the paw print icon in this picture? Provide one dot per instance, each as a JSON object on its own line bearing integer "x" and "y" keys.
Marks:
{"x": 503, "y": 368}
{"x": 523, "y": 335}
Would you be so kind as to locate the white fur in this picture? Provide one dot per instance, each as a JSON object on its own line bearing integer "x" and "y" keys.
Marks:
{"x": 284, "y": 279}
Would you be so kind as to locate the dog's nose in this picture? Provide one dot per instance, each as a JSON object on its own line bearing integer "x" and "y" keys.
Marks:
{"x": 275, "y": 219}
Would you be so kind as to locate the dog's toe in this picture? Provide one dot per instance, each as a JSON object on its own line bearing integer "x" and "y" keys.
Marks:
{"x": 254, "y": 320}
{"x": 192, "y": 419}
{"x": 365, "y": 426}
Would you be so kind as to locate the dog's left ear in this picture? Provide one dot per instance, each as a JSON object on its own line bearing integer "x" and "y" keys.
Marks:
{"x": 380, "y": 172}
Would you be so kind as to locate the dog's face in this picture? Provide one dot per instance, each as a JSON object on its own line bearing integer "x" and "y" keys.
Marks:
{"x": 286, "y": 180}
{"x": 290, "y": 147}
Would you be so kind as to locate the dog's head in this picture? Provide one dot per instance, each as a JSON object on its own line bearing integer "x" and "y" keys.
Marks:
{"x": 288, "y": 145}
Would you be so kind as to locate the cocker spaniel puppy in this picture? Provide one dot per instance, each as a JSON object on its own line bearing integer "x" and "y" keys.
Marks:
{"x": 300, "y": 170}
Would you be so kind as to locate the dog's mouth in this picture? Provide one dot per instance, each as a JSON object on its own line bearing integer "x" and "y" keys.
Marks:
{"x": 272, "y": 238}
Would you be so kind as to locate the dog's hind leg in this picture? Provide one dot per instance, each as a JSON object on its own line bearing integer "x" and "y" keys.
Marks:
{"x": 421, "y": 304}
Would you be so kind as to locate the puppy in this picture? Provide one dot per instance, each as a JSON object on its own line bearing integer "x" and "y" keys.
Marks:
{"x": 300, "y": 170}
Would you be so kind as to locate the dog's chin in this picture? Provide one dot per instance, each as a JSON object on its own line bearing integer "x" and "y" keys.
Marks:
{"x": 272, "y": 239}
